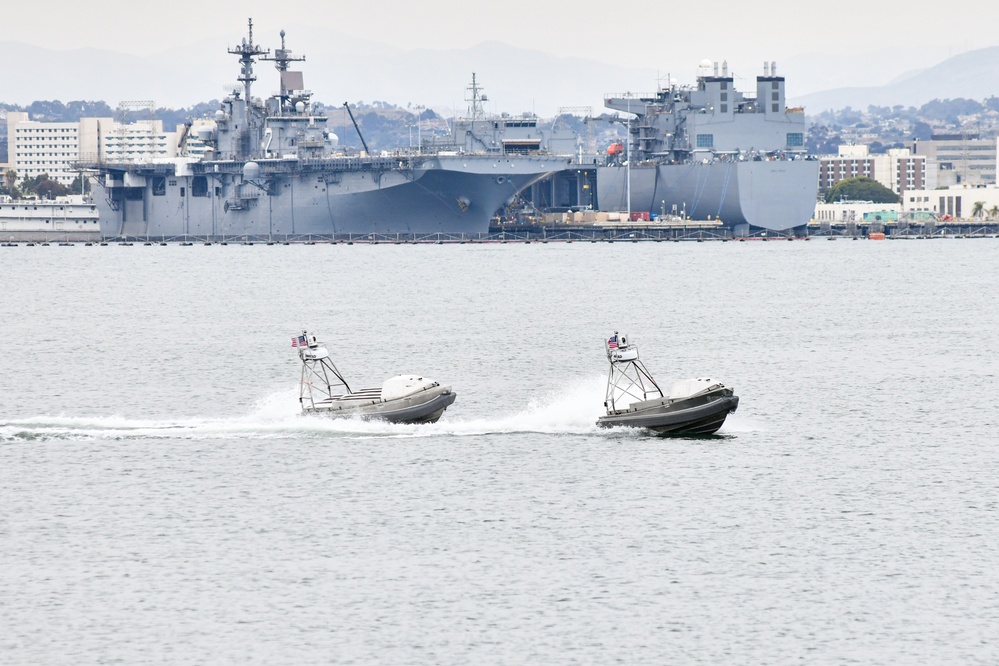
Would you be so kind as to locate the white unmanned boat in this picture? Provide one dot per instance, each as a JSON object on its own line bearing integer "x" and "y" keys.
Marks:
{"x": 401, "y": 399}
{"x": 694, "y": 406}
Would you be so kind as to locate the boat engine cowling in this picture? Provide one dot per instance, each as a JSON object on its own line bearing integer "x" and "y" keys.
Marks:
{"x": 401, "y": 386}
{"x": 687, "y": 388}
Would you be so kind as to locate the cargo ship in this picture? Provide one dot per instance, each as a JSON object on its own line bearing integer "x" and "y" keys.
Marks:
{"x": 273, "y": 168}
{"x": 708, "y": 152}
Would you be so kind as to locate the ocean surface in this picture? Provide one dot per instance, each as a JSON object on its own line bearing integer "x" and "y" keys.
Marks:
{"x": 163, "y": 501}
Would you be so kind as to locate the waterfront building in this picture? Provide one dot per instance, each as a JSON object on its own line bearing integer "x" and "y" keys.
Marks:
{"x": 37, "y": 147}
{"x": 844, "y": 212}
{"x": 955, "y": 202}
{"x": 899, "y": 169}
{"x": 962, "y": 158}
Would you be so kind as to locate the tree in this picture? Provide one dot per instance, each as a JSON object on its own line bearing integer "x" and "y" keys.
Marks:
{"x": 78, "y": 187}
{"x": 10, "y": 184}
{"x": 978, "y": 210}
{"x": 860, "y": 189}
{"x": 993, "y": 212}
{"x": 44, "y": 187}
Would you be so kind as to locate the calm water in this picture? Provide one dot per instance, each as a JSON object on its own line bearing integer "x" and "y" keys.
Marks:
{"x": 161, "y": 501}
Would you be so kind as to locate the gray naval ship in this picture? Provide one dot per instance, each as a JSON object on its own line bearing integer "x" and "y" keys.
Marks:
{"x": 709, "y": 152}
{"x": 272, "y": 169}
{"x": 503, "y": 134}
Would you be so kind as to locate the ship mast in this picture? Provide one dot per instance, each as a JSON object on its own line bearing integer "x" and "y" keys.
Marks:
{"x": 282, "y": 57}
{"x": 477, "y": 98}
{"x": 246, "y": 52}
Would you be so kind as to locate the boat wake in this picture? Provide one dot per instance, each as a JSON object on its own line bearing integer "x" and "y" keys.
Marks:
{"x": 571, "y": 409}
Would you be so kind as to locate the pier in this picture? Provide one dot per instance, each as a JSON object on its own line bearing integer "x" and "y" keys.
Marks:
{"x": 520, "y": 233}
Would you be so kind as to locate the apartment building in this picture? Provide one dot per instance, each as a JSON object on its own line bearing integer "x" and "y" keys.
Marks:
{"x": 899, "y": 169}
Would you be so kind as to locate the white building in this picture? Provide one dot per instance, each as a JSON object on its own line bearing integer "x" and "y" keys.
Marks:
{"x": 843, "y": 212}
{"x": 957, "y": 201}
{"x": 37, "y": 148}
{"x": 138, "y": 141}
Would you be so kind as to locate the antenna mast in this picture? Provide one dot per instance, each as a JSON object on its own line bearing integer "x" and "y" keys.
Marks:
{"x": 477, "y": 98}
{"x": 247, "y": 51}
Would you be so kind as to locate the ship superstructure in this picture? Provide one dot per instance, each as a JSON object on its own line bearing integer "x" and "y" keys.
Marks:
{"x": 505, "y": 134}
{"x": 710, "y": 152}
{"x": 273, "y": 168}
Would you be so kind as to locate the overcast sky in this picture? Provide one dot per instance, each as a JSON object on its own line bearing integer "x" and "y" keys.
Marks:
{"x": 651, "y": 33}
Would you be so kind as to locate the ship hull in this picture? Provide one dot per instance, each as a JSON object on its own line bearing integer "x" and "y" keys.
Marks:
{"x": 768, "y": 194}
{"x": 449, "y": 194}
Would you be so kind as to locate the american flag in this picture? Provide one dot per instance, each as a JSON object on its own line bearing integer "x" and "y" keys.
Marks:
{"x": 612, "y": 343}
{"x": 298, "y": 342}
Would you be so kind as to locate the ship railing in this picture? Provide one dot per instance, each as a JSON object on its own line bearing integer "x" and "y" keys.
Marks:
{"x": 650, "y": 96}
{"x": 309, "y": 164}
{"x": 141, "y": 168}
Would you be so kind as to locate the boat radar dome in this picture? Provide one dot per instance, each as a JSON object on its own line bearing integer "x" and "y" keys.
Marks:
{"x": 300, "y": 106}
{"x": 251, "y": 171}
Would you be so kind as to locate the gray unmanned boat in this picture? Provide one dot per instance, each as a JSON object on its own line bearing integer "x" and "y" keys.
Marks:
{"x": 400, "y": 399}
{"x": 694, "y": 406}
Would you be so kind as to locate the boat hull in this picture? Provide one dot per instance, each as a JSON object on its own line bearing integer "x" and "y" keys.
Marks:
{"x": 768, "y": 194}
{"x": 423, "y": 407}
{"x": 448, "y": 194}
{"x": 699, "y": 415}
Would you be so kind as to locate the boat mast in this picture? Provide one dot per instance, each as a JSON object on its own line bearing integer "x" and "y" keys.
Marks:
{"x": 319, "y": 375}
{"x": 628, "y": 376}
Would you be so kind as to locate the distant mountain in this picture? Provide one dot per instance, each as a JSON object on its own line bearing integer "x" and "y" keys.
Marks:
{"x": 338, "y": 68}
{"x": 351, "y": 67}
{"x": 973, "y": 75}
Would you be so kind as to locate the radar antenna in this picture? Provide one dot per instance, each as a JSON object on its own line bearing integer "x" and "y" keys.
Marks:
{"x": 282, "y": 57}
{"x": 247, "y": 51}
{"x": 290, "y": 81}
{"x": 475, "y": 109}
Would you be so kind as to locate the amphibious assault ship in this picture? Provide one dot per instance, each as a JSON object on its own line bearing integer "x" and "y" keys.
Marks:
{"x": 709, "y": 152}
{"x": 273, "y": 169}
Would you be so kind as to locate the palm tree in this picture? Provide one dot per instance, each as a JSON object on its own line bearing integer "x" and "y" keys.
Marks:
{"x": 978, "y": 209}
{"x": 10, "y": 180}
{"x": 993, "y": 212}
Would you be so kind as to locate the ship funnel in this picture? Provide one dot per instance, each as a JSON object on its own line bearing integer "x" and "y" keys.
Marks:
{"x": 725, "y": 68}
{"x": 766, "y": 68}
{"x": 716, "y": 68}
{"x": 773, "y": 68}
